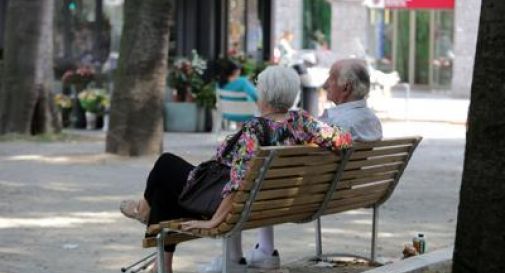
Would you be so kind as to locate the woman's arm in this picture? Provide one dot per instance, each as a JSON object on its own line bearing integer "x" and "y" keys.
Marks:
{"x": 324, "y": 135}
{"x": 218, "y": 217}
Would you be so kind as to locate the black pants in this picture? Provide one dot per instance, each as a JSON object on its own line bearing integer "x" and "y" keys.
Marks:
{"x": 164, "y": 185}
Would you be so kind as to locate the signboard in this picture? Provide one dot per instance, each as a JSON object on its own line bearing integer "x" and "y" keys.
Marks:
{"x": 410, "y": 4}
{"x": 419, "y": 4}
{"x": 374, "y": 4}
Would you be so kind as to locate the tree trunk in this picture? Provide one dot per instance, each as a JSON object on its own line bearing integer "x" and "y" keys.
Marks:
{"x": 136, "y": 117}
{"x": 26, "y": 102}
{"x": 480, "y": 234}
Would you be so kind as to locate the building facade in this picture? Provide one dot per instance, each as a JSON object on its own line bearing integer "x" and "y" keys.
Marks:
{"x": 431, "y": 43}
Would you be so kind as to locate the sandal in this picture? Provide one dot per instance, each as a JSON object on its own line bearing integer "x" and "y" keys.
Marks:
{"x": 130, "y": 209}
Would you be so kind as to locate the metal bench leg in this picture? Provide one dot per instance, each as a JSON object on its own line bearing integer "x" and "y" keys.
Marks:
{"x": 226, "y": 255}
{"x": 319, "y": 241}
{"x": 160, "y": 241}
{"x": 375, "y": 220}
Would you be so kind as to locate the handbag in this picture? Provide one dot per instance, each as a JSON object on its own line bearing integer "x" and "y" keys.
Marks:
{"x": 202, "y": 193}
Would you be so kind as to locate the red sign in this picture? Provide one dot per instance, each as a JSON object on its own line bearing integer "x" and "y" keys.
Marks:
{"x": 419, "y": 4}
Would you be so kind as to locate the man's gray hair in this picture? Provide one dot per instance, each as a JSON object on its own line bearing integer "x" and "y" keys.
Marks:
{"x": 355, "y": 73}
{"x": 278, "y": 86}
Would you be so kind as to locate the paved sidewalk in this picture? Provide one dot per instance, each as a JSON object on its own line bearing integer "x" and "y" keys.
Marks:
{"x": 58, "y": 205}
{"x": 418, "y": 105}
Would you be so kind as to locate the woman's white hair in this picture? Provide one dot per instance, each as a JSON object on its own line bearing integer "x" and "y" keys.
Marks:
{"x": 278, "y": 86}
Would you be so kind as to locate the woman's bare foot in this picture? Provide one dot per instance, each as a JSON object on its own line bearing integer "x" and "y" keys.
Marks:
{"x": 138, "y": 210}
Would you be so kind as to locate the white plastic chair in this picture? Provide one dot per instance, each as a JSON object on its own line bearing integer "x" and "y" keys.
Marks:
{"x": 232, "y": 106}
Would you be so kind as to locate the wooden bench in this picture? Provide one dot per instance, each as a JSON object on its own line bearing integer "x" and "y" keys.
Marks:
{"x": 299, "y": 184}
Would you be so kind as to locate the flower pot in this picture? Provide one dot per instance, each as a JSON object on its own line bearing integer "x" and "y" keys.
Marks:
{"x": 105, "y": 127}
{"x": 65, "y": 117}
{"x": 181, "y": 116}
{"x": 90, "y": 121}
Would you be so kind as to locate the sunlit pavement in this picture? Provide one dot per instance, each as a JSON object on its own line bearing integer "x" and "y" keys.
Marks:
{"x": 58, "y": 204}
{"x": 434, "y": 106}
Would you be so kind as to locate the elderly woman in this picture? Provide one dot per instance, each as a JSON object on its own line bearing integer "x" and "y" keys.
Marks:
{"x": 277, "y": 89}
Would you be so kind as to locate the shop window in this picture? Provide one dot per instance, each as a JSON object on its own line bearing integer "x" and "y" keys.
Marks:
{"x": 316, "y": 24}
{"x": 443, "y": 54}
{"x": 422, "y": 48}
{"x": 403, "y": 44}
{"x": 380, "y": 37}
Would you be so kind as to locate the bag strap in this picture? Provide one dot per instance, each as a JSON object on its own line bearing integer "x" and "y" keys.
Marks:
{"x": 265, "y": 141}
{"x": 232, "y": 142}
{"x": 266, "y": 131}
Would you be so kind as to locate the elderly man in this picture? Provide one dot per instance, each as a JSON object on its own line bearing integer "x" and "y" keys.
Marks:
{"x": 348, "y": 86}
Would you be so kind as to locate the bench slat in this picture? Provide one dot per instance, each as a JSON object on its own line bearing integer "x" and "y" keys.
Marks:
{"x": 385, "y": 143}
{"x": 302, "y": 170}
{"x": 308, "y": 160}
{"x": 279, "y": 183}
{"x": 170, "y": 239}
{"x": 288, "y": 192}
{"x": 397, "y": 159}
{"x": 380, "y": 152}
{"x": 293, "y": 151}
{"x": 299, "y": 200}
{"x": 374, "y": 196}
{"x": 274, "y": 212}
{"x": 365, "y": 180}
{"x": 371, "y": 171}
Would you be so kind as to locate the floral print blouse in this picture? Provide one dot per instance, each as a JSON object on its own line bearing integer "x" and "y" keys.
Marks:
{"x": 299, "y": 128}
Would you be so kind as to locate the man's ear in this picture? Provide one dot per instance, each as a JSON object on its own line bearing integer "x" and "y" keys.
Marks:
{"x": 348, "y": 87}
{"x": 347, "y": 91}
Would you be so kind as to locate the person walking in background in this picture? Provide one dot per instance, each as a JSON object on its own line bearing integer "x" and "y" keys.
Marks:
{"x": 284, "y": 51}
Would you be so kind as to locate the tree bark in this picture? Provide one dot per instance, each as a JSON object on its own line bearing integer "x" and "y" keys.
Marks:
{"x": 480, "y": 234}
{"x": 26, "y": 103}
{"x": 136, "y": 118}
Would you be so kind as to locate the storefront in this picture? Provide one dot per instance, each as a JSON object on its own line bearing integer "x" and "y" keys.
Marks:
{"x": 222, "y": 27}
{"x": 413, "y": 37}
{"x": 214, "y": 28}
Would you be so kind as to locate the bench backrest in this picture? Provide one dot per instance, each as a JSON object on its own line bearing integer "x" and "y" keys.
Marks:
{"x": 299, "y": 184}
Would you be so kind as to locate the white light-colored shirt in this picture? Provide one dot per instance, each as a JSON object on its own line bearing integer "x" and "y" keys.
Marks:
{"x": 362, "y": 122}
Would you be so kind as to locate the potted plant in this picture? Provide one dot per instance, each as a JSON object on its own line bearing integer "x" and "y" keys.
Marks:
{"x": 94, "y": 102}
{"x": 64, "y": 104}
{"x": 77, "y": 79}
{"x": 183, "y": 111}
{"x": 250, "y": 67}
{"x": 205, "y": 99}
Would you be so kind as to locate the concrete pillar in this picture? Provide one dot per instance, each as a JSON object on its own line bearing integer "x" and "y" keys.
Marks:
{"x": 348, "y": 28}
{"x": 287, "y": 15}
{"x": 466, "y": 27}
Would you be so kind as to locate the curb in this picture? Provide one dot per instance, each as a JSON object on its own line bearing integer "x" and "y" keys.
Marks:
{"x": 433, "y": 261}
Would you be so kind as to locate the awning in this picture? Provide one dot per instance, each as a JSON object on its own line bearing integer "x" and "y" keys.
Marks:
{"x": 410, "y": 4}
